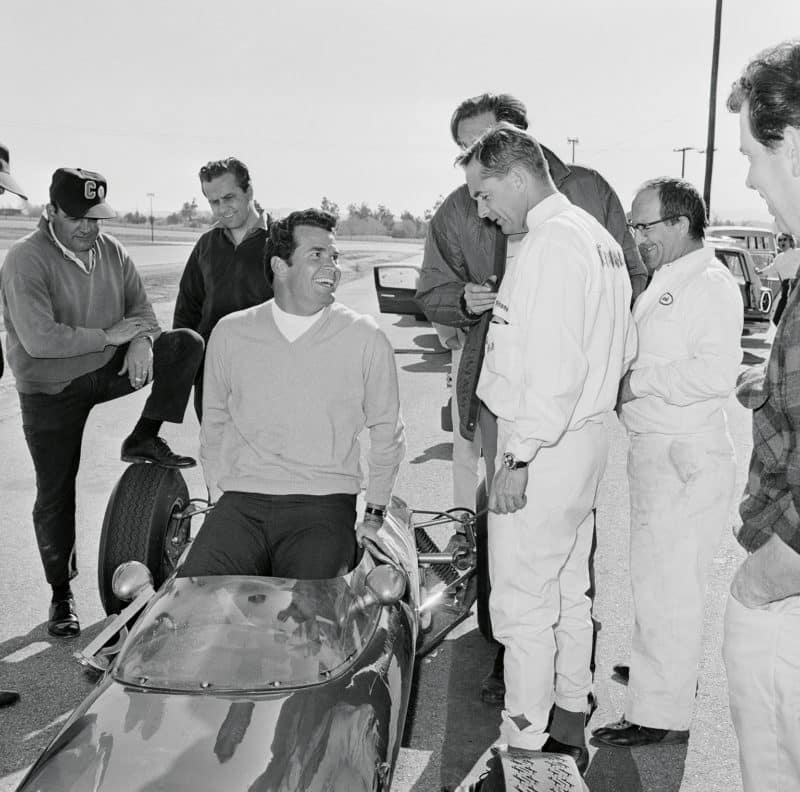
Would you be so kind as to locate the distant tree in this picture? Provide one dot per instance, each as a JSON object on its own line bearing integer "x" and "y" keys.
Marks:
{"x": 33, "y": 210}
{"x": 188, "y": 211}
{"x": 410, "y": 227}
{"x": 362, "y": 212}
{"x": 385, "y": 217}
{"x": 429, "y": 213}
{"x": 329, "y": 206}
{"x": 135, "y": 218}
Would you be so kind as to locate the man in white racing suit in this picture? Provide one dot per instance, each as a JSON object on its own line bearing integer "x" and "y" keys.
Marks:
{"x": 681, "y": 463}
{"x": 560, "y": 338}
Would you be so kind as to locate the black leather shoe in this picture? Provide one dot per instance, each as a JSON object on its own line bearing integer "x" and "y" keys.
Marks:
{"x": 155, "y": 450}
{"x": 493, "y": 687}
{"x": 580, "y": 753}
{"x": 624, "y": 734}
{"x": 8, "y": 697}
{"x": 63, "y": 618}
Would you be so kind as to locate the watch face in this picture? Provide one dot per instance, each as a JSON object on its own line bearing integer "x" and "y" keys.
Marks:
{"x": 508, "y": 461}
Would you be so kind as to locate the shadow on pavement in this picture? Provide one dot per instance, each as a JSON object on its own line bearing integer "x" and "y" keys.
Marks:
{"x": 409, "y": 321}
{"x": 470, "y": 725}
{"x": 431, "y": 342}
{"x": 432, "y": 362}
{"x": 438, "y": 451}
{"x": 652, "y": 769}
{"x": 51, "y": 684}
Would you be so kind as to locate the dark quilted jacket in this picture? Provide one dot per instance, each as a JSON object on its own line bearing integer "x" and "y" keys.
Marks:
{"x": 461, "y": 247}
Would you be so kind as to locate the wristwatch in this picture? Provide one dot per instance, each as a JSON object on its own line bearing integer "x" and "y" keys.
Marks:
{"x": 510, "y": 462}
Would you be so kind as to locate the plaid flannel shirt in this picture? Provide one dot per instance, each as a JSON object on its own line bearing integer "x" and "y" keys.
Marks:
{"x": 771, "y": 502}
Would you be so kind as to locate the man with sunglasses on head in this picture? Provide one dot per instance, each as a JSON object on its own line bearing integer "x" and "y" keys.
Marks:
{"x": 681, "y": 462}
{"x": 225, "y": 271}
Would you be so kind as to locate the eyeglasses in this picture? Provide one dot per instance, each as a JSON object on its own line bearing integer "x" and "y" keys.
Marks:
{"x": 642, "y": 227}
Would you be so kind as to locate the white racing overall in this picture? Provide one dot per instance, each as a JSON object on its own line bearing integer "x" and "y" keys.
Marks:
{"x": 559, "y": 340}
{"x": 681, "y": 470}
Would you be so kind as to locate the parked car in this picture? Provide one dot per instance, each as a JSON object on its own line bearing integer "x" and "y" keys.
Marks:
{"x": 396, "y": 285}
{"x": 760, "y": 242}
{"x": 758, "y": 295}
{"x": 257, "y": 683}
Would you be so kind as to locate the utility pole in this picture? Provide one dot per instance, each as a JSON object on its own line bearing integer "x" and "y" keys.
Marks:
{"x": 573, "y": 141}
{"x": 152, "y": 219}
{"x": 683, "y": 150}
{"x": 712, "y": 107}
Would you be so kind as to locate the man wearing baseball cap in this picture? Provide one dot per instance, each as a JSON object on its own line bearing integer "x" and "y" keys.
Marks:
{"x": 7, "y": 184}
{"x": 81, "y": 331}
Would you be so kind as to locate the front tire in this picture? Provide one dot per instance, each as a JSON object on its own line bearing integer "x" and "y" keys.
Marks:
{"x": 139, "y": 525}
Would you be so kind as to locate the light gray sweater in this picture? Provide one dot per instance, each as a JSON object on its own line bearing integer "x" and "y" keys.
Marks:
{"x": 284, "y": 417}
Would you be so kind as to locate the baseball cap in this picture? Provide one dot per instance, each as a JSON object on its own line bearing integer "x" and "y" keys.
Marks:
{"x": 6, "y": 182}
{"x": 81, "y": 193}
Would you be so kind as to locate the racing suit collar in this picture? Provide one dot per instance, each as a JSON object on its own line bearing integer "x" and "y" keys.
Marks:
{"x": 544, "y": 210}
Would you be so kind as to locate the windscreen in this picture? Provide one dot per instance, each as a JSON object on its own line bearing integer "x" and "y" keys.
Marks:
{"x": 237, "y": 633}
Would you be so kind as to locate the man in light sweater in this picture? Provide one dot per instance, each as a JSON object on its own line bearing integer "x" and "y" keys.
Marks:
{"x": 556, "y": 348}
{"x": 288, "y": 387}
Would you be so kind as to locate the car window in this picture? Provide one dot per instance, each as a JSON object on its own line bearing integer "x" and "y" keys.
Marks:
{"x": 398, "y": 277}
{"x": 237, "y": 633}
{"x": 733, "y": 262}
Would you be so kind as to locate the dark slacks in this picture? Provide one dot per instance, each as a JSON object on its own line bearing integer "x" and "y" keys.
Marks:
{"x": 307, "y": 537}
{"x": 54, "y": 423}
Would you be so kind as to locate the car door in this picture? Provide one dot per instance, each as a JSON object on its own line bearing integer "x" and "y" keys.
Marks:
{"x": 395, "y": 286}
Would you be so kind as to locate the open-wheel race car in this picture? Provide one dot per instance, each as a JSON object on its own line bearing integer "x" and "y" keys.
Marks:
{"x": 258, "y": 683}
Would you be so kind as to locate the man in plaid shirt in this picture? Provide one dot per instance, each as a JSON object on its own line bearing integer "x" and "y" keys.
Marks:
{"x": 762, "y": 621}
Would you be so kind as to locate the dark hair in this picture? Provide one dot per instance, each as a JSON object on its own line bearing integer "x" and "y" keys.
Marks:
{"x": 281, "y": 241}
{"x": 216, "y": 168}
{"x": 505, "y": 107}
{"x": 770, "y": 84}
{"x": 680, "y": 198}
{"x": 501, "y": 148}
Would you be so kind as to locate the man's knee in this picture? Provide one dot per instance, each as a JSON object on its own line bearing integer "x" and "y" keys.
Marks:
{"x": 182, "y": 346}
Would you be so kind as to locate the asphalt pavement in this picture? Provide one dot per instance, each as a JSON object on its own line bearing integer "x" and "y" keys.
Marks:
{"x": 448, "y": 726}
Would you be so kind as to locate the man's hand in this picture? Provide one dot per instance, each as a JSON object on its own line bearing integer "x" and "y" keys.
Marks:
{"x": 625, "y": 393}
{"x": 368, "y": 528}
{"x": 138, "y": 362}
{"x": 769, "y": 574}
{"x": 480, "y": 297}
{"x": 126, "y": 329}
{"x": 508, "y": 490}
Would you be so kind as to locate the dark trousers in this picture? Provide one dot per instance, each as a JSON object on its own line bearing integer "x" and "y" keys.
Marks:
{"x": 53, "y": 426}
{"x": 306, "y": 537}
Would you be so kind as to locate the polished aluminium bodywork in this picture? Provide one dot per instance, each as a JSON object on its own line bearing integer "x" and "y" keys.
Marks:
{"x": 260, "y": 684}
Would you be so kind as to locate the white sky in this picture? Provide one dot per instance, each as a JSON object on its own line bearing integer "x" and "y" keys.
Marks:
{"x": 352, "y": 99}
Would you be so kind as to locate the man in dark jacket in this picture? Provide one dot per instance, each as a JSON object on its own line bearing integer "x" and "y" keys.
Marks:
{"x": 225, "y": 271}
{"x": 464, "y": 261}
